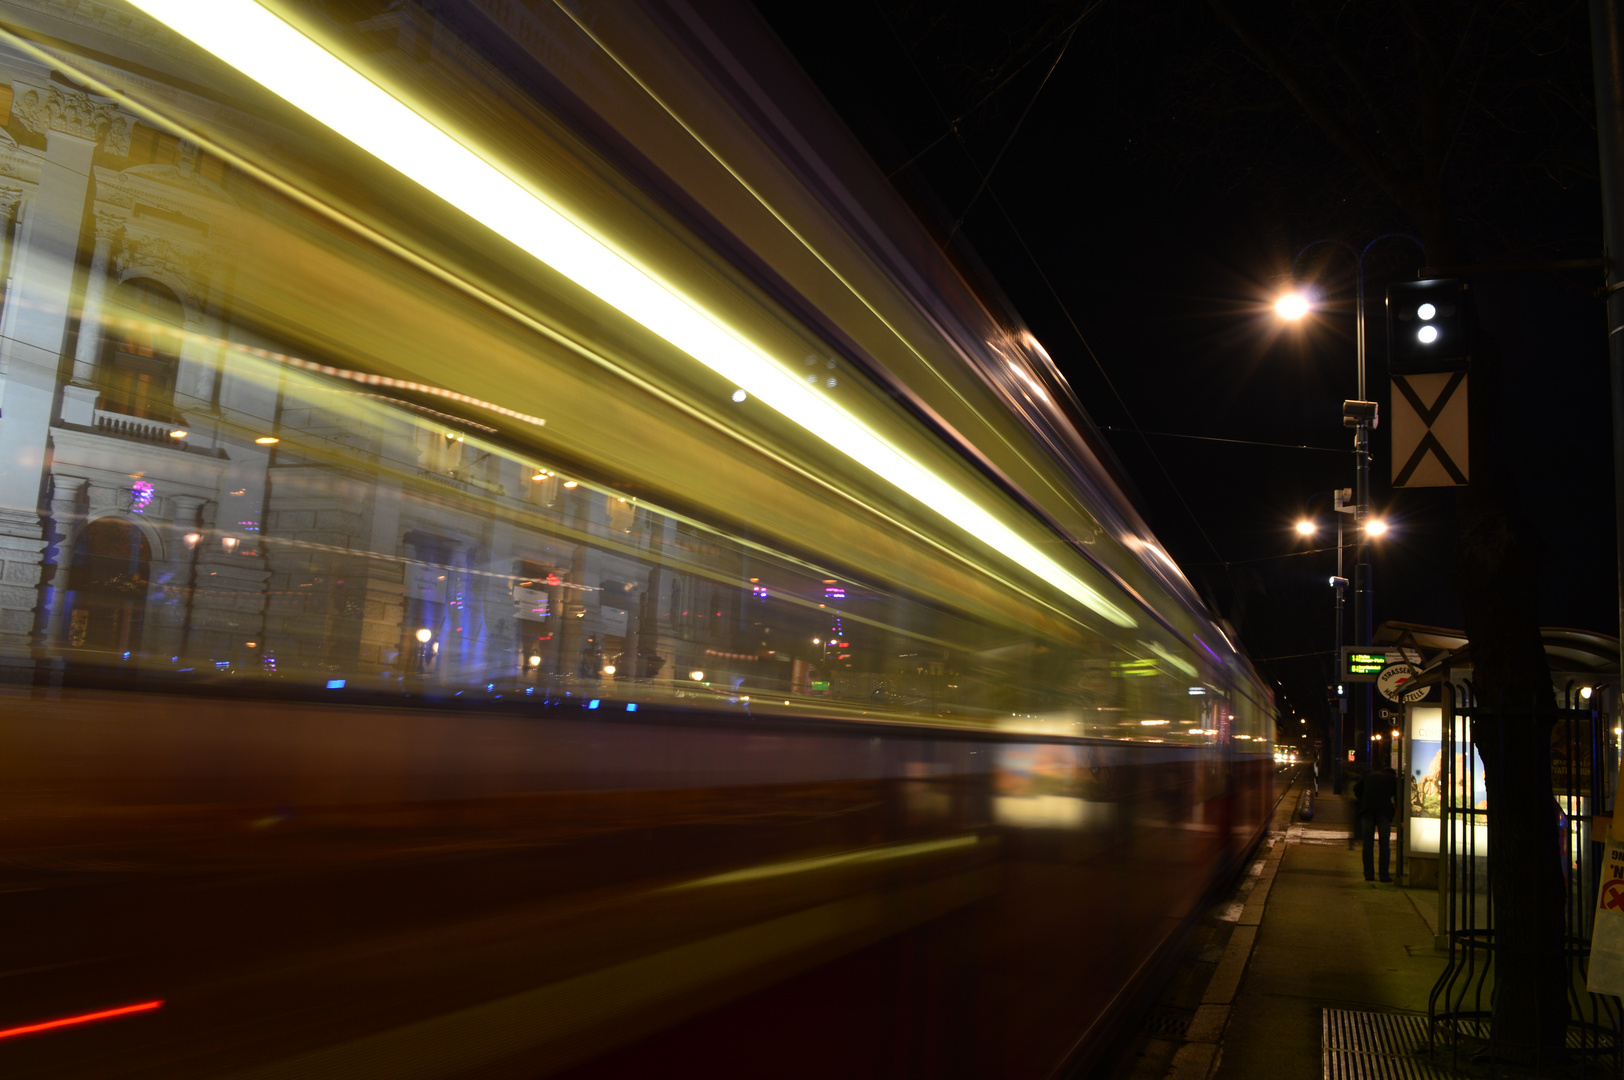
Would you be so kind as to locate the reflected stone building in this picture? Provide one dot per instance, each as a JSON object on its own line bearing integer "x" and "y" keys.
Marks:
{"x": 213, "y": 466}
{"x": 171, "y": 500}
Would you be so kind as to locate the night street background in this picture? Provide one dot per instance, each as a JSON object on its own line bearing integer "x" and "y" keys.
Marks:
{"x": 1147, "y": 195}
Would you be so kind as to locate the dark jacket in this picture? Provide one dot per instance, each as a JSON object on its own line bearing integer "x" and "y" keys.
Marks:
{"x": 1376, "y": 794}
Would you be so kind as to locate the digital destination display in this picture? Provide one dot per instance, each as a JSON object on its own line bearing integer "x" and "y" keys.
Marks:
{"x": 1366, "y": 663}
{"x": 1362, "y": 665}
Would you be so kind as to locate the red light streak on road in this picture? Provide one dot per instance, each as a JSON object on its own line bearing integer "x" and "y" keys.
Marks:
{"x": 85, "y": 1018}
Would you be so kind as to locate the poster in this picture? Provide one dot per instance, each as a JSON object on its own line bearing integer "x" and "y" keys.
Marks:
{"x": 1606, "y": 974}
{"x": 1426, "y": 783}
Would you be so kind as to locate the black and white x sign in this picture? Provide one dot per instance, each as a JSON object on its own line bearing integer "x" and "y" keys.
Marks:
{"x": 1429, "y": 430}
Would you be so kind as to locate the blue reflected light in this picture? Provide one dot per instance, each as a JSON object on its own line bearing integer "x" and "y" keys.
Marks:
{"x": 593, "y": 704}
{"x": 631, "y": 706}
{"x": 335, "y": 684}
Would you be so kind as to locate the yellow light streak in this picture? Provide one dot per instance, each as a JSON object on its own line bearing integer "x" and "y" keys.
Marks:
{"x": 881, "y": 853}
{"x": 1178, "y": 662}
{"x": 271, "y": 52}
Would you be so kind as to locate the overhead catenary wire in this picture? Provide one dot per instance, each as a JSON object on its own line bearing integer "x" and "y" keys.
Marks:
{"x": 1054, "y": 293}
{"x": 1293, "y": 656}
{"x": 953, "y": 124}
{"x": 986, "y": 177}
{"x": 1272, "y": 558}
{"x": 1065, "y": 310}
{"x": 1238, "y": 442}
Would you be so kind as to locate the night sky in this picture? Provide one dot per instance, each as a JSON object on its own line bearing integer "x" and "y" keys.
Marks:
{"x": 1161, "y": 183}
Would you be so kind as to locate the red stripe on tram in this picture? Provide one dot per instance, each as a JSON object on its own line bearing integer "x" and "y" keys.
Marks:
{"x": 83, "y": 1018}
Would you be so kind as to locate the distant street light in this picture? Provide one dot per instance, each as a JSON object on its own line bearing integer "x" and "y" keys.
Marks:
{"x": 1375, "y": 527}
{"x": 1341, "y": 505}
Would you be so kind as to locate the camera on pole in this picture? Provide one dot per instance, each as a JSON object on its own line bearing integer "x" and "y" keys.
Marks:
{"x": 1355, "y": 413}
{"x": 1429, "y": 326}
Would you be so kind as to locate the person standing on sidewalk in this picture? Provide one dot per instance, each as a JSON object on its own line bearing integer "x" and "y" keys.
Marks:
{"x": 1375, "y": 800}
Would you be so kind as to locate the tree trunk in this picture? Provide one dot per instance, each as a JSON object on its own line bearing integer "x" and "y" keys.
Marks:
{"x": 1497, "y": 581}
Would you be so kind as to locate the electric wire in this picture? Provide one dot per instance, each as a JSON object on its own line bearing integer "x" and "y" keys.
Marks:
{"x": 1053, "y": 292}
{"x": 953, "y": 125}
{"x": 986, "y": 177}
{"x": 1238, "y": 442}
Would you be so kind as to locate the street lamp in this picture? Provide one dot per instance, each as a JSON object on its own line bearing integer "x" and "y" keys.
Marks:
{"x": 423, "y": 635}
{"x": 1293, "y": 306}
{"x": 1360, "y": 415}
{"x": 1341, "y": 505}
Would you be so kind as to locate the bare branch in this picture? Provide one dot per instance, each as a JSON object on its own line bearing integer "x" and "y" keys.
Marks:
{"x": 1387, "y": 125}
{"x": 1430, "y": 84}
{"x": 1314, "y": 104}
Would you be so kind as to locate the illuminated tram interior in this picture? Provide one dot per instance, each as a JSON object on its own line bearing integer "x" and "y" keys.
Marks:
{"x": 489, "y": 520}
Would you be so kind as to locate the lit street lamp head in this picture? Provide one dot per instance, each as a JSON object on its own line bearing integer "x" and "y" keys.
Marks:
{"x": 1375, "y": 527}
{"x": 1292, "y": 306}
{"x": 1305, "y": 527}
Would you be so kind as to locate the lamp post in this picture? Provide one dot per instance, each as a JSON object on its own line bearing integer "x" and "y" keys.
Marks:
{"x": 1307, "y": 528}
{"x": 1359, "y": 414}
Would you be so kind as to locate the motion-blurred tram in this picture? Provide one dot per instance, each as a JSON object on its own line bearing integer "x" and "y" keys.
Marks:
{"x": 523, "y": 555}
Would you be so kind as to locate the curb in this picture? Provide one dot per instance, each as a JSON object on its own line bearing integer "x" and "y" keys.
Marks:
{"x": 1198, "y": 1058}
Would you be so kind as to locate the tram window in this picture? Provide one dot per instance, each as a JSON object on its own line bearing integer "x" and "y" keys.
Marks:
{"x": 422, "y": 420}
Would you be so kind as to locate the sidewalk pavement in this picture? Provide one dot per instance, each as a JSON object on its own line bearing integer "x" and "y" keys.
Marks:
{"x": 1327, "y": 939}
{"x": 1303, "y": 953}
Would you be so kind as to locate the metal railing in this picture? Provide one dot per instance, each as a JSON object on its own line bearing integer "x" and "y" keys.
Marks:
{"x": 134, "y": 427}
{"x": 1460, "y": 1008}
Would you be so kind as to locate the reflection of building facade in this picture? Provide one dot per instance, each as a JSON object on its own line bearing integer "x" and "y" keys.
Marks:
{"x": 165, "y": 502}
{"x": 205, "y": 470}
{"x": 173, "y": 500}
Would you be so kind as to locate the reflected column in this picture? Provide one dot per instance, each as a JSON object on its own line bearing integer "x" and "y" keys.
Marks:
{"x": 74, "y": 125}
{"x": 572, "y": 613}
{"x": 87, "y": 350}
{"x": 69, "y": 495}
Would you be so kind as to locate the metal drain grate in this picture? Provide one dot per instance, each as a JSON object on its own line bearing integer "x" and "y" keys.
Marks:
{"x": 1381, "y": 1046}
{"x": 1168, "y": 1023}
{"x": 1374, "y": 1046}
{"x": 1342, "y": 1065}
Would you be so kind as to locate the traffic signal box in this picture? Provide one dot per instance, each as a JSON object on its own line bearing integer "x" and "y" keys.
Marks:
{"x": 1429, "y": 326}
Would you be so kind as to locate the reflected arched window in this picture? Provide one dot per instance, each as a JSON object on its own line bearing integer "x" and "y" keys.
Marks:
{"x": 139, "y": 355}
{"x": 107, "y": 586}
